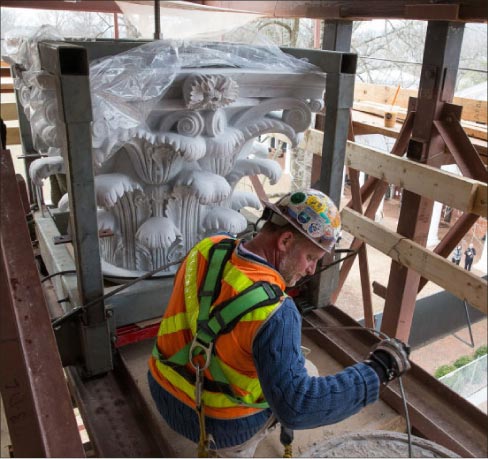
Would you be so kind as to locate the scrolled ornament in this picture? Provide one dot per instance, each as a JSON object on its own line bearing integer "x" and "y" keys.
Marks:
{"x": 316, "y": 105}
{"x": 299, "y": 118}
{"x": 190, "y": 124}
{"x": 215, "y": 123}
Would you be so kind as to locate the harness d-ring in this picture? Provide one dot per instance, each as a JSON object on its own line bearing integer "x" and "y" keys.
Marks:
{"x": 193, "y": 352}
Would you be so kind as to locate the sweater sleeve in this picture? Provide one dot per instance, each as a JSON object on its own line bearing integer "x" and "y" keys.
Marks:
{"x": 298, "y": 400}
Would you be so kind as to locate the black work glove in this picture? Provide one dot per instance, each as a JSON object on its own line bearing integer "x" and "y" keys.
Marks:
{"x": 389, "y": 359}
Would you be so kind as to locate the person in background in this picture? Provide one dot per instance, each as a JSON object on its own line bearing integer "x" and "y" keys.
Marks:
{"x": 456, "y": 255}
{"x": 469, "y": 255}
{"x": 224, "y": 379}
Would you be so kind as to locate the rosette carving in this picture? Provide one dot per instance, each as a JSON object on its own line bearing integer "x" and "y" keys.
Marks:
{"x": 209, "y": 92}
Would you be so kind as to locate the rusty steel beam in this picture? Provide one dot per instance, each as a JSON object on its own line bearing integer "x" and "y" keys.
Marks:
{"x": 437, "y": 12}
{"x": 23, "y": 193}
{"x": 442, "y": 51}
{"x": 96, "y": 6}
{"x": 114, "y": 417}
{"x": 435, "y": 411}
{"x": 468, "y": 11}
{"x": 37, "y": 403}
{"x": 379, "y": 289}
{"x": 461, "y": 148}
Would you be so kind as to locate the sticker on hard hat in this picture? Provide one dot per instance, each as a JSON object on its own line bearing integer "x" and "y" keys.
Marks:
{"x": 325, "y": 217}
{"x": 303, "y": 217}
{"x": 313, "y": 213}
{"x": 315, "y": 228}
{"x": 328, "y": 232}
{"x": 316, "y": 203}
{"x": 298, "y": 198}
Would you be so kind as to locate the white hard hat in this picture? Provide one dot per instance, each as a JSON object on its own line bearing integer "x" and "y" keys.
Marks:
{"x": 313, "y": 213}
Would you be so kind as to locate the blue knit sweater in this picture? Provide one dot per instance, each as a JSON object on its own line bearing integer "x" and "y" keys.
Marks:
{"x": 296, "y": 399}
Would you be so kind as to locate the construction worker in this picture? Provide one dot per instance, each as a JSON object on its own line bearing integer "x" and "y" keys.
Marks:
{"x": 227, "y": 364}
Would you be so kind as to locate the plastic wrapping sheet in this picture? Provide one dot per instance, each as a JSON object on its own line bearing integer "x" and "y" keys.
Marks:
{"x": 20, "y": 45}
{"x": 35, "y": 87}
{"x": 169, "y": 124}
{"x": 126, "y": 87}
{"x": 183, "y": 20}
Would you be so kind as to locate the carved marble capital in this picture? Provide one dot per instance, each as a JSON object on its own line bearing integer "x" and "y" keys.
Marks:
{"x": 166, "y": 172}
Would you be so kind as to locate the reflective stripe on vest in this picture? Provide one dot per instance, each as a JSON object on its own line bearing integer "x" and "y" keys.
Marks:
{"x": 219, "y": 401}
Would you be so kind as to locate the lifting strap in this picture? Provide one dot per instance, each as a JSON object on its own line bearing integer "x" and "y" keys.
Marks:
{"x": 222, "y": 319}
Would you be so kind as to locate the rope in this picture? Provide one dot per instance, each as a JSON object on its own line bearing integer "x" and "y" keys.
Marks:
{"x": 203, "y": 441}
{"x": 288, "y": 451}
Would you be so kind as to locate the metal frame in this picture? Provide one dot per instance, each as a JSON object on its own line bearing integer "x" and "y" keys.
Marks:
{"x": 340, "y": 68}
{"x": 68, "y": 62}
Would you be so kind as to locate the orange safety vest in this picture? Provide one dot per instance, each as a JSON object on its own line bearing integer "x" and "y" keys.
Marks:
{"x": 232, "y": 350}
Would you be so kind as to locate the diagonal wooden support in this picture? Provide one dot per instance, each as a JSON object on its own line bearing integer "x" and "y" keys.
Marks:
{"x": 377, "y": 188}
{"x": 356, "y": 244}
{"x": 398, "y": 149}
{"x": 258, "y": 188}
{"x": 470, "y": 164}
{"x": 363, "y": 257}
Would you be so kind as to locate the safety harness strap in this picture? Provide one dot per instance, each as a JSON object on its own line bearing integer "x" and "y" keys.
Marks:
{"x": 223, "y": 318}
{"x": 218, "y": 257}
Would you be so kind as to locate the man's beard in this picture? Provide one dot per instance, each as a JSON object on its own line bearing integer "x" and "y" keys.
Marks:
{"x": 287, "y": 267}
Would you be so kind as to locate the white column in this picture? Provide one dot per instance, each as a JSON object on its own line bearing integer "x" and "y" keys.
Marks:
{"x": 378, "y": 216}
{"x": 433, "y": 238}
{"x": 287, "y": 159}
{"x": 343, "y": 181}
{"x": 362, "y": 178}
{"x": 481, "y": 265}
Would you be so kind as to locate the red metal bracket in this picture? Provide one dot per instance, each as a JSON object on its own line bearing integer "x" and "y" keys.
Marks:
{"x": 130, "y": 334}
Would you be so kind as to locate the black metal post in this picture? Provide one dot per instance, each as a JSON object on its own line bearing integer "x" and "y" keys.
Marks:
{"x": 468, "y": 321}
